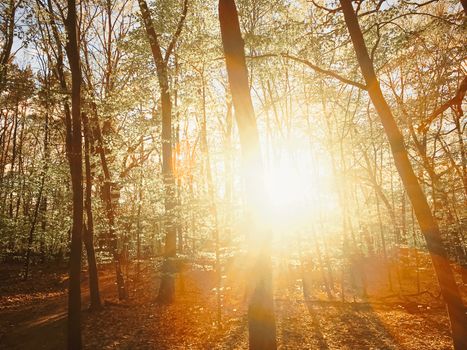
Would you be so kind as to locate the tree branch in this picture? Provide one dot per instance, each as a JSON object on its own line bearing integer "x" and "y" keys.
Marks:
{"x": 315, "y": 68}
{"x": 455, "y": 103}
{"x": 177, "y": 33}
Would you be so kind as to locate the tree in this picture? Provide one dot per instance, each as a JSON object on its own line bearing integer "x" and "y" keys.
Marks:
{"x": 88, "y": 229}
{"x": 76, "y": 170}
{"x": 261, "y": 319}
{"x": 425, "y": 218}
{"x": 167, "y": 287}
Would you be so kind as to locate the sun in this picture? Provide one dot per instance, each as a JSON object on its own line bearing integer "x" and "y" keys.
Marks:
{"x": 286, "y": 187}
{"x": 299, "y": 190}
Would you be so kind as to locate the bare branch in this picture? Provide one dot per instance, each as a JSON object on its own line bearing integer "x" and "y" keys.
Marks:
{"x": 455, "y": 103}
{"x": 315, "y": 68}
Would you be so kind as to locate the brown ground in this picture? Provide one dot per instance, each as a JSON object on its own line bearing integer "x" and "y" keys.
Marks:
{"x": 33, "y": 315}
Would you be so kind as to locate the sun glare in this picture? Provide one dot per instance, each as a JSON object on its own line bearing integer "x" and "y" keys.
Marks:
{"x": 298, "y": 192}
{"x": 286, "y": 187}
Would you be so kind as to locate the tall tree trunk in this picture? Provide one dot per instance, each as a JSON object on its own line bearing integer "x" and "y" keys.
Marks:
{"x": 43, "y": 214}
{"x": 32, "y": 229}
{"x": 261, "y": 319}
{"x": 139, "y": 224}
{"x": 228, "y": 161}
{"x": 427, "y": 222}
{"x": 75, "y": 158}
{"x": 39, "y": 202}
{"x": 212, "y": 198}
{"x": 44, "y": 203}
{"x": 73, "y": 148}
{"x": 109, "y": 205}
{"x": 14, "y": 152}
{"x": 88, "y": 230}
{"x": 167, "y": 286}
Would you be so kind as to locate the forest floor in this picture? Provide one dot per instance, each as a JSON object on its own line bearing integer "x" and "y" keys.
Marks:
{"x": 33, "y": 315}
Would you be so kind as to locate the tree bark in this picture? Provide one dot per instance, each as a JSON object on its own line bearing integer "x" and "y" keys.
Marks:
{"x": 427, "y": 222}
{"x": 261, "y": 319}
{"x": 75, "y": 159}
{"x": 464, "y": 6}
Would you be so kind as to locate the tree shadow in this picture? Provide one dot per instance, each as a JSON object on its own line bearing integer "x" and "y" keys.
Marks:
{"x": 322, "y": 343}
{"x": 353, "y": 326}
{"x": 43, "y": 333}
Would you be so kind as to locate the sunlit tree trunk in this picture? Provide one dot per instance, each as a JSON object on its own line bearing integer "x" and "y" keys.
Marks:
{"x": 261, "y": 319}
{"x": 212, "y": 197}
{"x": 228, "y": 161}
{"x": 427, "y": 222}
{"x": 76, "y": 169}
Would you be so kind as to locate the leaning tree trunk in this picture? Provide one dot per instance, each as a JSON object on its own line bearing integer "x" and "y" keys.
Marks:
{"x": 261, "y": 319}
{"x": 76, "y": 169}
{"x": 425, "y": 218}
{"x": 109, "y": 205}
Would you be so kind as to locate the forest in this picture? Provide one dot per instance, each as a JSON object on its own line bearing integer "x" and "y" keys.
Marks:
{"x": 233, "y": 174}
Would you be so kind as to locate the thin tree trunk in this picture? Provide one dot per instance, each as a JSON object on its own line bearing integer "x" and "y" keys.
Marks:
{"x": 106, "y": 192}
{"x": 228, "y": 161}
{"x": 43, "y": 214}
{"x": 139, "y": 224}
{"x": 13, "y": 158}
{"x": 43, "y": 208}
{"x": 95, "y": 300}
{"x": 40, "y": 199}
{"x": 109, "y": 205}
{"x": 427, "y": 222}
{"x": 321, "y": 265}
{"x": 32, "y": 228}
{"x": 212, "y": 198}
